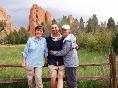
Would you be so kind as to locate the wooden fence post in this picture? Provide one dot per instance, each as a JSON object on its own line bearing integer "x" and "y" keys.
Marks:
{"x": 113, "y": 81}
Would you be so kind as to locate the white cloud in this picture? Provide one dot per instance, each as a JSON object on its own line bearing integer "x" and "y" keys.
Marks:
{"x": 102, "y": 8}
{"x": 85, "y": 8}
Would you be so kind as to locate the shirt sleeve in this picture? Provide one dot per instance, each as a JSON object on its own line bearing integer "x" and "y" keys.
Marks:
{"x": 66, "y": 48}
{"x": 74, "y": 45}
{"x": 25, "y": 52}
{"x": 46, "y": 50}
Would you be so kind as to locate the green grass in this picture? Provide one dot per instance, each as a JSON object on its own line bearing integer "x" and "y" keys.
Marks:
{"x": 11, "y": 54}
{"x": 87, "y": 57}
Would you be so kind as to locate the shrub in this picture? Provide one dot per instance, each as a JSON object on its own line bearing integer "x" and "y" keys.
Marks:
{"x": 82, "y": 39}
{"x": 11, "y": 38}
{"x": 115, "y": 43}
{"x": 95, "y": 42}
{"x": 19, "y": 37}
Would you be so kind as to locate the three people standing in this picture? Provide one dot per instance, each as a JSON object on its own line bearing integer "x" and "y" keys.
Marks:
{"x": 62, "y": 57}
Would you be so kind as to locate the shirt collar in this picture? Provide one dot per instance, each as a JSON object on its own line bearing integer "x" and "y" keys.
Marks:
{"x": 38, "y": 38}
{"x": 59, "y": 36}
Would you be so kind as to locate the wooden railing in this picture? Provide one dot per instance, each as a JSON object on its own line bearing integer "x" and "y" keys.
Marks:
{"x": 112, "y": 76}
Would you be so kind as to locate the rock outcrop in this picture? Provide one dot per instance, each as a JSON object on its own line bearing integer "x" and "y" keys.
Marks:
{"x": 38, "y": 16}
{"x": 71, "y": 19}
{"x": 6, "y": 19}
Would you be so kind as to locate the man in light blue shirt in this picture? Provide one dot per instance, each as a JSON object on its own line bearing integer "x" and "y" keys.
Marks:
{"x": 34, "y": 56}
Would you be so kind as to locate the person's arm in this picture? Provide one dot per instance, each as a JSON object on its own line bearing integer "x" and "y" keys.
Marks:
{"x": 76, "y": 46}
{"x": 66, "y": 48}
{"x": 46, "y": 50}
{"x": 46, "y": 54}
{"x": 23, "y": 62}
{"x": 24, "y": 54}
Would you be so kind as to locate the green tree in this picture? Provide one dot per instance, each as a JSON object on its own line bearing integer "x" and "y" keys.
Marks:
{"x": 54, "y": 21}
{"x": 103, "y": 26}
{"x": 23, "y": 35}
{"x": 94, "y": 22}
{"x": 64, "y": 20}
{"x": 18, "y": 37}
{"x": 115, "y": 43}
{"x": 116, "y": 27}
{"x": 75, "y": 27}
{"x": 111, "y": 24}
{"x": 89, "y": 25}
{"x": 81, "y": 25}
{"x": 11, "y": 38}
{"x": 47, "y": 29}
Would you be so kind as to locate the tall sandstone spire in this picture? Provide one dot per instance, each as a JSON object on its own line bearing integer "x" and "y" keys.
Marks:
{"x": 38, "y": 16}
{"x": 6, "y": 19}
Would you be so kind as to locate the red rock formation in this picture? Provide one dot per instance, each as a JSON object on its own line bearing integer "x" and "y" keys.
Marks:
{"x": 48, "y": 17}
{"x": 4, "y": 17}
{"x": 37, "y": 16}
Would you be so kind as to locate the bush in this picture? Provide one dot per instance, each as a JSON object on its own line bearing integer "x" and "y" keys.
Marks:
{"x": 115, "y": 43}
{"x": 11, "y": 38}
{"x": 82, "y": 39}
{"x": 19, "y": 37}
{"x": 98, "y": 41}
{"x": 23, "y": 35}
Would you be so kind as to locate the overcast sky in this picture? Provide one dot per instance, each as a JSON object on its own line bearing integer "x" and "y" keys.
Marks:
{"x": 19, "y": 9}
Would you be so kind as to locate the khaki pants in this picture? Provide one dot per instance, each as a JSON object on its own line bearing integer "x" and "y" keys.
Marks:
{"x": 57, "y": 72}
{"x": 34, "y": 77}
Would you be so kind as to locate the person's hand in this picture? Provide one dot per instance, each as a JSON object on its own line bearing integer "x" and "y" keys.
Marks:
{"x": 50, "y": 51}
{"x": 23, "y": 64}
{"x": 46, "y": 62}
{"x": 77, "y": 46}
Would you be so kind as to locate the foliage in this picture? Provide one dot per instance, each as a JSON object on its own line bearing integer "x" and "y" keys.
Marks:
{"x": 95, "y": 22}
{"x": 81, "y": 24}
{"x": 23, "y": 35}
{"x": 111, "y": 24}
{"x": 95, "y": 42}
{"x": 19, "y": 37}
{"x": 74, "y": 23}
{"x": 89, "y": 25}
{"x": 62, "y": 21}
{"x": 115, "y": 43}
{"x": 102, "y": 26}
{"x": 75, "y": 27}
{"x": 92, "y": 24}
{"x": 47, "y": 28}
{"x": 1, "y": 26}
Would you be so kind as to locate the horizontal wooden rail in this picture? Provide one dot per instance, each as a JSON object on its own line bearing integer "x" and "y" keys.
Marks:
{"x": 13, "y": 80}
{"x": 94, "y": 78}
{"x": 24, "y": 80}
{"x": 81, "y": 65}
{"x": 12, "y": 65}
{"x": 102, "y": 64}
{"x": 18, "y": 80}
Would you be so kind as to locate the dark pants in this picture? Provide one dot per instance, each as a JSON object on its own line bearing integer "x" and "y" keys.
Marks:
{"x": 71, "y": 76}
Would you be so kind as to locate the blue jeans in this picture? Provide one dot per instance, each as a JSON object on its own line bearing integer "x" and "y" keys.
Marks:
{"x": 71, "y": 76}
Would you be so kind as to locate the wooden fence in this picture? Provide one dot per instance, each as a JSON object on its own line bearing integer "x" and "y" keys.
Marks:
{"x": 112, "y": 76}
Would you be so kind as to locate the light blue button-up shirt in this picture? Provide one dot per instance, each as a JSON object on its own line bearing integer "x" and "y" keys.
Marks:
{"x": 35, "y": 52}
